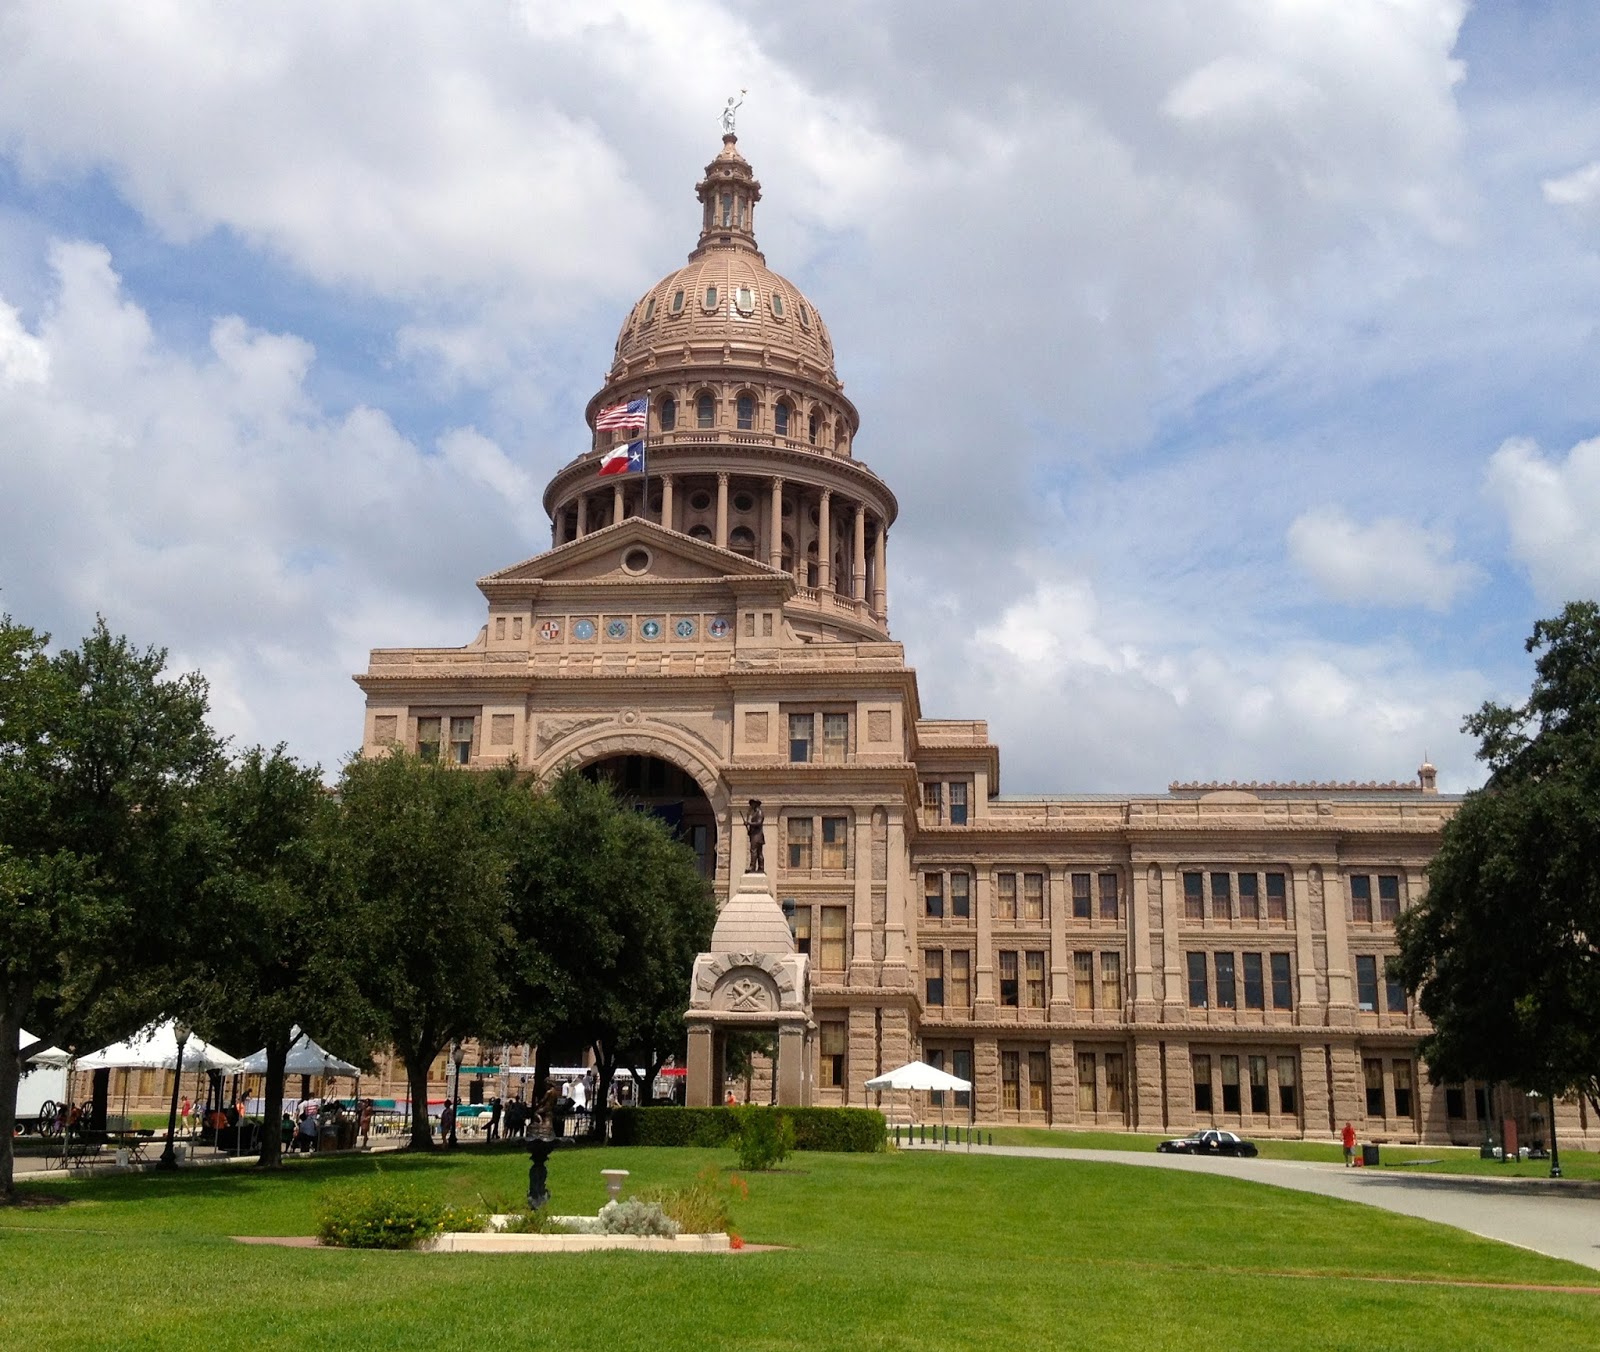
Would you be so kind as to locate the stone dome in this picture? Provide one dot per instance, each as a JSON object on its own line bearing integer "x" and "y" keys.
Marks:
{"x": 725, "y": 294}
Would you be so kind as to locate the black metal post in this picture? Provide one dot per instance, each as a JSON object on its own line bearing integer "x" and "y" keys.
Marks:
{"x": 1555, "y": 1154}
{"x": 169, "y": 1157}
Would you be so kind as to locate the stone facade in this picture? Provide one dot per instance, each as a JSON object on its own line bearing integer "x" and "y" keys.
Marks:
{"x": 718, "y": 631}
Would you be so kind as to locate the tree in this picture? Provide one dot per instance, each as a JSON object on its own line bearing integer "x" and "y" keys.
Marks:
{"x": 419, "y": 866}
{"x": 1502, "y": 952}
{"x": 609, "y": 912}
{"x": 103, "y": 758}
{"x": 275, "y": 940}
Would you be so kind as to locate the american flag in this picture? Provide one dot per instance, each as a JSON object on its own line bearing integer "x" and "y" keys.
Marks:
{"x": 615, "y": 417}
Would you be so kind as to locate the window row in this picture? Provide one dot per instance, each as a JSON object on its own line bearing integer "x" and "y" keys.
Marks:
{"x": 1215, "y": 979}
{"x": 1232, "y": 1090}
{"x": 828, "y": 743}
{"x": 1400, "y": 1076}
{"x": 457, "y": 750}
{"x": 1022, "y": 978}
{"x": 819, "y": 932}
{"x": 787, "y": 420}
{"x": 817, "y": 844}
{"x": 1369, "y": 966}
{"x": 1025, "y": 1079}
{"x": 944, "y": 802}
{"x": 1019, "y": 897}
{"x": 1360, "y": 885}
{"x": 1235, "y": 896}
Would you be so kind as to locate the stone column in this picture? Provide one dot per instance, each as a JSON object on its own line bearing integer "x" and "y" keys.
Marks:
{"x": 983, "y": 991}
{"x": 825, "y": 542}
{"x": 791, "y": 1063}
{"x": 1308, "y": 1009}
{"x": 666, "y": 502}
{"x": 880, "y": 575}
{"x": 1341, "y": 996}
{"x": 862, "y": 967}
{"x": 775, "y": 542}
{"x": 1141, "y": 988}
{"x": 617, "y": 504}
{"x": 701, "y": 1089}
{"x": 583, "y": 515}
{"x": 1146, "y": 1105}
{"x": 894, "y": 939}
{"x": 1059, "y": 900}
{"x": 858, "y": 574}
{"x": 722, "y": 510}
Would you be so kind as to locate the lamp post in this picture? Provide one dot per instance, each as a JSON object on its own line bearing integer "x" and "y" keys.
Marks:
{"x": 1555, "y": 1154}
{"x": 458, "y": 1054}
{"x": 169, "y": 1157}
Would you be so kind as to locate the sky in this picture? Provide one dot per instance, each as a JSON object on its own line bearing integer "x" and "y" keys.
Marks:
{"x": 1234, "y": 361}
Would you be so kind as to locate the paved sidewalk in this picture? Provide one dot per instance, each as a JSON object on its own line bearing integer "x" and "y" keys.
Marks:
{"x": 1557, "y": 1218}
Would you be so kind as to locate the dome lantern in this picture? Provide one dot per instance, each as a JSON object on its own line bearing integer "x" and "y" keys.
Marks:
{"x": 728, "y": 195}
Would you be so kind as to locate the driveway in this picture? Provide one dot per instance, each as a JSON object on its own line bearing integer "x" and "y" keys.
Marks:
{"x": 1560, "y": 1218}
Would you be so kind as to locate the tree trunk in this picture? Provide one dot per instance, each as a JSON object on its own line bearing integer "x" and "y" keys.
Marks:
{"x": 10, "y": 1073}
{"x": 607, "y": 1068}
{"x": 272, "y": 1103}
{"x": 417, "y": 1063}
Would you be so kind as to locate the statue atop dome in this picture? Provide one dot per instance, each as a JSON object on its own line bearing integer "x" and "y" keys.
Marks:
{"x": 727, "y": 119}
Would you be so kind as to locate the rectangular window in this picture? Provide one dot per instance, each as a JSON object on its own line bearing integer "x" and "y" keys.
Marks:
{"x": 802, "y": 929}
{"x": 1010, "y": 1070}
{"x": 1402, "y": 1089}
{"x": 428, "y": 738}
{"x": 1361, "y": 898}
{"x": 1034, "y": 965}
{"x": 799, "y": 837}
{"x": 933, "y": 895}
{"x": 461, "y": 740}
{"x": 1083, "y": 980}
{"x": 1372, "y": 1072}
{"x": 933, "y": 972}
{"x": 935, "y": 1058}
{"x": 1039, "y": 1082}
{"x": 1111, "y": 981}
{"x": 1108, "y": 896}
{"x": 1221, "y": 897}
{"x": 1033, "y": 896}
{"x": 1194, "y": 897}
{"x": 1197, "y": 980}
{"x": 835, "y": 737}
{"x": 1080, "y": 896}
{"x": 1255, "y": 995}
{"x": 1249, "y": 897}
{"x": 1230, "y": 1084}
{"x": 1277, "y": 896}
{"x": 1367, "y": 983}
{"x": 961, "y": 1068}
{"x": 1114, "y": 1082}
{"x": 1086, "y": 1086}
{"x": 1388, "y": 897}
{"x": 801, "y": 729}
{"x": 960, "y": 896}
{"x": 1282, "y": 987}
{"x": 1455, "y": 1103}
{"x": 1258, "y": 1084}
{"x": 960, "y": 992}
{"x": 1394, "y": 992}
{"x": 933, "y": 801}
{"x": 958, "y": 804}
{"x": 832, "y": 956}
{"x": 1480, "y": 1103}
{"x": 1006, "y": 888}
{"x": 831, "y": 1036}
{"x": 1008, "y": 977}
{"x": 835, "y": 842}
{"x": 1202, "y": 1084}
{"x": 1227, "y": 996}
{"x": 1288, "y": 1093}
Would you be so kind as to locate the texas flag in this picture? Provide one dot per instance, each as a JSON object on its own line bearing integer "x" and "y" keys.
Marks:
{"x": 625, "y": 459}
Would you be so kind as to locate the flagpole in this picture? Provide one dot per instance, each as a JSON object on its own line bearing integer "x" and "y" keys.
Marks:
{"x": 644, "y": 500}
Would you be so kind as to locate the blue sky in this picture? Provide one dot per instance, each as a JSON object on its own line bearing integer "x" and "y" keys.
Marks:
{"x": 1234, "y": 362}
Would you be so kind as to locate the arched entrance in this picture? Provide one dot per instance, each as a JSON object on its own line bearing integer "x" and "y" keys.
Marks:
{"x": 659, "y": 787}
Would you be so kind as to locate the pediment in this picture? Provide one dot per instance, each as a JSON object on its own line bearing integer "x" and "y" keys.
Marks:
{"x": 631, "y": 551}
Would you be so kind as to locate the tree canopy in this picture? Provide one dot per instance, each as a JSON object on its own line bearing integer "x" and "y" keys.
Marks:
{"x": 1502, "y": 952}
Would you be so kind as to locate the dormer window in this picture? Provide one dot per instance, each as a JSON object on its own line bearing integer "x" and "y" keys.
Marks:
{"x": 777, "y": 305}
{"x": 711, "y": 298}
{"x": 745, "y": 299}
{"x": 677, "y": 301}
{"x": 805, "y": 315}
{"x": 650, "y": 310}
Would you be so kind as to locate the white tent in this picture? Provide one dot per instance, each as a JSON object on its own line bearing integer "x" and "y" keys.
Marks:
{"x": 156, "y": 1048}
{"x": 920, "y": 1075}
{"x": 53, "y": 1057}
{"x": 306, "y": 1057}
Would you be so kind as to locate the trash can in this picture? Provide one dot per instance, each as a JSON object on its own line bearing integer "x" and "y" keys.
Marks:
{"x": 1369, "y": 1156}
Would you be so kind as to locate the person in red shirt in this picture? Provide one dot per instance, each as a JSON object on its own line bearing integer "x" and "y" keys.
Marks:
{"x": 1348, "y": 1138}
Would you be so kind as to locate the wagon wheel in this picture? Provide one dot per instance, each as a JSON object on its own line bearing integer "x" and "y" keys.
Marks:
{"x": 47, "y": 1118}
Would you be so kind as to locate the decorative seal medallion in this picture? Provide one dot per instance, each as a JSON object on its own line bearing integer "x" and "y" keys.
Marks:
{"x": 719, "y": 628}
{"x": 550, "y": 631}
{"x": 583, "y": 630}
{"x": 617, "y": 629}
{"x": 650, "y": 629}
{"x": 684, "y": 628}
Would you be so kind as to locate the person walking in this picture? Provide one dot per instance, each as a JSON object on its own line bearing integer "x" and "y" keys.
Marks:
{"x": 493, "y": 1133}
{"x": 1347, "y": 1138}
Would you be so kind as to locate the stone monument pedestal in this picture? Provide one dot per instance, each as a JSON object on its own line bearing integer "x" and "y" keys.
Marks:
{"x": 752, "y": 978}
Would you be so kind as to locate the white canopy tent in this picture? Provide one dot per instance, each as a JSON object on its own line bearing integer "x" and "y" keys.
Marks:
{"x": 306, "y": 1057}
{"x": 52, "y": 1057}
{"x": 919, "y": 1075}
{"x": 156, "y": 1048}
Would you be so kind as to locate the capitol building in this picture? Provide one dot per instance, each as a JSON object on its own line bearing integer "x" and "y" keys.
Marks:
{"x": 717, "y": 629}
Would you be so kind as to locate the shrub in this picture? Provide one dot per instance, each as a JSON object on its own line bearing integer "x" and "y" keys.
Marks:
{"x": 853, "y": 1130}
{"x": 377, "y": 1215}
{"x": 700, "y": 1208}
{"x": 632, "y": 1216}
{"x": 525, "y": 1222}
{"x": 765, "y": 1138}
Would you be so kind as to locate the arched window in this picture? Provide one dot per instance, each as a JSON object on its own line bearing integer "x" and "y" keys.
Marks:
{"x": 667, "y": 412}
{"x": 742, "y": 540}
{"x": 811, "y": 564}
{"x": 700, "y": 532}
{"x": 788, "y": 553}
{"x": 811, "y": 429}
{"x": 704, "y": 411}
{"x": 727, "y": 210}
{"x": 780, "y": 419}
{"x": 746, "y": 408}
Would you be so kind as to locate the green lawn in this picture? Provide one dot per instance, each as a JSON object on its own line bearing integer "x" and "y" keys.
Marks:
{"x": 907, "y": 1250}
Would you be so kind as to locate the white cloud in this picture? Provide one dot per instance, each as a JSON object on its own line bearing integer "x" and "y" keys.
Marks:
{"x": 1578, "y": 188}
{"x": 1552, "y": 509}
{"x": 1386, "y": 562}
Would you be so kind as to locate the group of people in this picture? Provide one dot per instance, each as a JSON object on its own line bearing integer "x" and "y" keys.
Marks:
{"x": 518, "y": 1119}
{"x": 319, "y": 1118}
